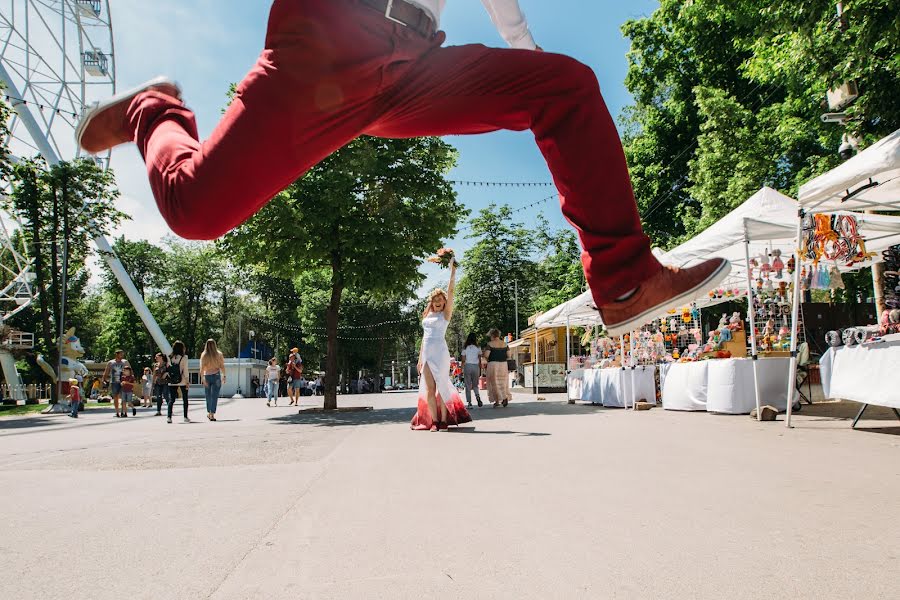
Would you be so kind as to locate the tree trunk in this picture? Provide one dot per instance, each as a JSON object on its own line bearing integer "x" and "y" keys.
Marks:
{"x": 878, "y": 283}
{"x": 331, "y": 327}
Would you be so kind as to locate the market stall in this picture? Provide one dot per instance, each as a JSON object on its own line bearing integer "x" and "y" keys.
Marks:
{"x": 758, "y": 238}
{"x": 832, "y": 223}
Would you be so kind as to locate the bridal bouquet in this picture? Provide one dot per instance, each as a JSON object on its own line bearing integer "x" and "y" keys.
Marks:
{"x": 444, "y": 257}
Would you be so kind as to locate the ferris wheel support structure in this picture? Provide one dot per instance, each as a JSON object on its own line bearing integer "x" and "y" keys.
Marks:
{"x": 46, "y": 139}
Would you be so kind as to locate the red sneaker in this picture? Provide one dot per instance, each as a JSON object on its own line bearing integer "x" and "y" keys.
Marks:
{"x": 670, "y": 288}
{"x": 104, "y": 125}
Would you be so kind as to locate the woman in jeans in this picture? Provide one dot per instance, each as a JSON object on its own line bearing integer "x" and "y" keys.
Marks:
{"x": 179, "y": 378}
{"x": 472, "y": 369}
{"x": 212, "y": 374}
{"x": 273, "y": 375}
{"x": 497, "y": 353}
{"x": 161, "y": 382}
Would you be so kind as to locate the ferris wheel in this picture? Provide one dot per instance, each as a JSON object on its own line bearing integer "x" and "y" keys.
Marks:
{"x": 56, "y": 56}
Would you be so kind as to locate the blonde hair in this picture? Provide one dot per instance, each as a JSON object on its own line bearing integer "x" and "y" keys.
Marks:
{"x": 211, "y": 357}
{"x": 429, "y": 308}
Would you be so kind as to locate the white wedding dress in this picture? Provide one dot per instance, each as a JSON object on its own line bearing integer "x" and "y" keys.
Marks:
{"x": 436, "y": 355}
{"x": 436, "y": 358}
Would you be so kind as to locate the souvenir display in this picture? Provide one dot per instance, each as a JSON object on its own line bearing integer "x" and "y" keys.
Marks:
{"x": 832, "y": 238}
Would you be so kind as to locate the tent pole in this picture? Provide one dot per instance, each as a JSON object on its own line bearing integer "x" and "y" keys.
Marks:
{"x": 795, "y": 325}
{"x": 567, "y": 370}
{"x": 752, "y": 313}
{"x": 633, "y": 367}
{"x": 537, "y": 363}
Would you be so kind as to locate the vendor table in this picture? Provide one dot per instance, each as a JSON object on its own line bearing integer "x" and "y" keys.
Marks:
{"x": 869, "y": 374}
{"x": 684, "y": 386}
{"x": 619, "y": 388}
{"x": 725, "y": 385}
{"x": 731, "y": 389}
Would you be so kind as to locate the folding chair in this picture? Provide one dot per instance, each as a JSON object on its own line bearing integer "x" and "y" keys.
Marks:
{"x": 803, "y": 362}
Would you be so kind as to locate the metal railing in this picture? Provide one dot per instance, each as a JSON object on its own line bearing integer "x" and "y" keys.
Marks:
{"x": 32, "y": 392}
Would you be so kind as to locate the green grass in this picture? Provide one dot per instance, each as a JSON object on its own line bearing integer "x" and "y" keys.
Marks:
{"x": 29, "y": 409}
{"x": 14, "y": 411}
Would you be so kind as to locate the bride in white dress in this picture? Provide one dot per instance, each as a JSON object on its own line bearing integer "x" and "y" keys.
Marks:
{"x": 439, "y": 403}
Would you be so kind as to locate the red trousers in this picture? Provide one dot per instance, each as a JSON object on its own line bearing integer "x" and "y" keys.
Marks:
{"x": 335, "y": 69}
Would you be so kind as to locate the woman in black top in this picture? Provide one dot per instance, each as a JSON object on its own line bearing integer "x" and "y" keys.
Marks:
{"x": 496, "y": 354}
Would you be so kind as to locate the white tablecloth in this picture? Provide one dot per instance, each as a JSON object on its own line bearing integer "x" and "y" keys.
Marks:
{"x": 618, "y": 388}
{"x": 575, "y": 384}
{"x": 725, "y": 385}
{"x": 731, "y": 388}
{"x": 869, "y": 374}
{"x": 684, "y": 386}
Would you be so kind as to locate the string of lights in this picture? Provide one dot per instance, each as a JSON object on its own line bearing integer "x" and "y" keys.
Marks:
{"x": 299, "y": 329}
{"x": 520, "y": 209}
{"x": 518, "y": 184}
{"x": 16, "y": 101}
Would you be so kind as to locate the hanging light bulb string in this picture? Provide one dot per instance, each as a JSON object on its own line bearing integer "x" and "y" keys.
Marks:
{"x": 16, "y": 101}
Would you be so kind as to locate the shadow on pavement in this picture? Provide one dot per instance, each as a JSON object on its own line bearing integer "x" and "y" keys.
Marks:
{"x": 881, "y": 430}
{"x": 471, "y": 431}
{"x": 386, "y": 416}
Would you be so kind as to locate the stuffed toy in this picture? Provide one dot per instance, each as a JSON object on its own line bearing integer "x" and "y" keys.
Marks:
{"x": 765, "y": 269}
{"x": 777, "y": 263}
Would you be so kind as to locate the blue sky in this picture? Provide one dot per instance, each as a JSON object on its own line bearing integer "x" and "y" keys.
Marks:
{"x": 206, "y": 46}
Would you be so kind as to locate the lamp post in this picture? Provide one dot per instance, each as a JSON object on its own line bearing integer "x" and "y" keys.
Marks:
{"x": 239, "y": 393}
{"x": 516, "y": 294}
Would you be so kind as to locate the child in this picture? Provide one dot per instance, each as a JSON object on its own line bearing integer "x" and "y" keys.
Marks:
{"x": 95, "y": 390}
{"x": 74, "y": 398}
{"x": 146, "y": 388}
{"x": 128, "y": 392}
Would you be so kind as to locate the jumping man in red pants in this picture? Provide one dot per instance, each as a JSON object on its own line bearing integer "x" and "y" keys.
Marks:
{"x": 333, "y": 70}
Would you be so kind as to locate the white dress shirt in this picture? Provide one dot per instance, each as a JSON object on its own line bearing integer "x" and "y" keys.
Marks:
{"x": 506, "y": 15}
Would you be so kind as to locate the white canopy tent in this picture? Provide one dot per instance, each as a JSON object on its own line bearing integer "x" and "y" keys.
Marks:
{"x": 868, "y": 181}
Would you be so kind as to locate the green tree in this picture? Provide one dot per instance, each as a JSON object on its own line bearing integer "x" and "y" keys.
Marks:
{"x": 61, "y": 208}
{"x": 500, "y": 257}
{"x": 561, "y": 275}
{"x": 728, "y": 98}
{"x": 121, "y": 326}
{"x": 367, "y": 215}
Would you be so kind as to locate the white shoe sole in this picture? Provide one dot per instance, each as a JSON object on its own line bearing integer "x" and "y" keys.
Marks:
{"x": 714, "y": 279}
{"x": 97, "y": 107}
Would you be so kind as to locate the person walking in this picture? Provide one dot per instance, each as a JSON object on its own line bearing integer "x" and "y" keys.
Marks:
{"x": 212, "y": 374}
{"x": 179, "y": 378}
{"x": 496, "y": 354}
{"x": 333, "y": 70}
{"x": 112, "y": 376}
{"x": 294, "y": 369}
{"x": 128, "y": 383}
{"x": 273, "y": 375}
{"x": 472, "y": 369}
{"x": 74, "y": 398}
{"x": 161, "y": 389}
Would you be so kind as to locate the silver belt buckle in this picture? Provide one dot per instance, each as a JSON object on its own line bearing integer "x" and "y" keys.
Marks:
{"x": 387, "y": 14}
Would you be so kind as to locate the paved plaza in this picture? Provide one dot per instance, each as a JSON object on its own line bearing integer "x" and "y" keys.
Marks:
{"x": 540, "y": 500}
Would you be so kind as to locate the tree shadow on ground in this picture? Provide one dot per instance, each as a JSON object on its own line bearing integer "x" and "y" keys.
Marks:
{"x": 387, "y": 416}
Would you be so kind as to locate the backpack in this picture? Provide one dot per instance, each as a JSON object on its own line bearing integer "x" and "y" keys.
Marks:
{"x": 173, "y": 371}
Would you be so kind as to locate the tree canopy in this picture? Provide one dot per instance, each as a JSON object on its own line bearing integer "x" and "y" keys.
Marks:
{"x": 367, "y": 215}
